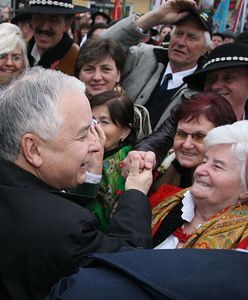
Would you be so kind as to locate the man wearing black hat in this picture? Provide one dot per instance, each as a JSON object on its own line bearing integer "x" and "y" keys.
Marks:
{"x": 51, "y": 46}
{"x": 152, "y": 76}
{"x": 225, "y": 72}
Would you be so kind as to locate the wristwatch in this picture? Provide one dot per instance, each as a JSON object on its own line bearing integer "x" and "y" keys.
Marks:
{"x": 141, "y": 30}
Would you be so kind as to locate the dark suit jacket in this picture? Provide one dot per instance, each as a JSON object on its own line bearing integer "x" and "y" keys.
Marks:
{"x": 178, "y": 274}
{"x": 45, "y": 236}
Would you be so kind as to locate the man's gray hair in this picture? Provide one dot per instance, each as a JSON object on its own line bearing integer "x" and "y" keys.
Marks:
{"x": 30, "y": 105}
{"x": 236, "y": 135}
{"x": 207, "y": 38}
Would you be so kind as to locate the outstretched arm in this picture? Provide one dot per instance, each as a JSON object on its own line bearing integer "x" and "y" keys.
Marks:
{"x": 153, "y": 149}
{"x": 161, "y": 140}
{"x": 127, "y": 33}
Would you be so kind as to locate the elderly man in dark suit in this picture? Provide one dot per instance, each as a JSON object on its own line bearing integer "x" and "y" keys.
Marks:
{"x": 46, "y": 143}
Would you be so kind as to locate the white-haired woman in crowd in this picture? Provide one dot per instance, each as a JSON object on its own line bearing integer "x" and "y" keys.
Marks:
{"x": 213, "y": 214}
{"x": 13, "y": 53}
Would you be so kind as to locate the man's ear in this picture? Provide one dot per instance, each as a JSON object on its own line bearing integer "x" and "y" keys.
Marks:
{"x": 30, "y": 149}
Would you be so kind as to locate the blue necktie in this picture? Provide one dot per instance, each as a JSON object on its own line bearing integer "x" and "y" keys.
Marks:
{"x": 164, "y": 85}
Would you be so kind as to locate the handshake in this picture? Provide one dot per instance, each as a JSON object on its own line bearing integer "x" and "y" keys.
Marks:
{"x": 137, "y": 168}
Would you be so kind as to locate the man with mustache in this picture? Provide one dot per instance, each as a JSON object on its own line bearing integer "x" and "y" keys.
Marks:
{"x": 51, "y": 46}
{"x": 146, "y": 73}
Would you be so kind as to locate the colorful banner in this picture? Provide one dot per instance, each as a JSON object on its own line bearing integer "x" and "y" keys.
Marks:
{"x": 221, "y": 15}
{"x": 123, "y": 11}
{"x": 119, "y": 10}
{"x": 237, "y": 17}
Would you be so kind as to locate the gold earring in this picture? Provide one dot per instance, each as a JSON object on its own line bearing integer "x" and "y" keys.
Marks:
{"x": 118, "y": 88}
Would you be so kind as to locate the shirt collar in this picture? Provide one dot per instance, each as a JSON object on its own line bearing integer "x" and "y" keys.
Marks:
{"x": 177, "y": 78}
{"x": 188, "y": 209}
{"x": 35, "y": 54}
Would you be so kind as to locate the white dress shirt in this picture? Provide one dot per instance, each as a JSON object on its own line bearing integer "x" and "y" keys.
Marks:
{"x": 177, "y": 78}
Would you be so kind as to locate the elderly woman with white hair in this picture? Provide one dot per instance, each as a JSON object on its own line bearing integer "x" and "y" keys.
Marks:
{"x": 13, "y": 53}
{"x": 213, "y": 213}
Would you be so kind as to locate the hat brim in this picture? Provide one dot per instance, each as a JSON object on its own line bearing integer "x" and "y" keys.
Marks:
{"x": 197, "y": 79}
{"x": 41, "y": 9}
{"x": 20, "y": 17}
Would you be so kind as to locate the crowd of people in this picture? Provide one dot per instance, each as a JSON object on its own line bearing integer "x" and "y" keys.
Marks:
{"x": 113, "y": 144}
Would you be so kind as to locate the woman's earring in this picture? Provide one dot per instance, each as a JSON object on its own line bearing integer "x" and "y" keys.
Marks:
{"x": 118, "y": 88}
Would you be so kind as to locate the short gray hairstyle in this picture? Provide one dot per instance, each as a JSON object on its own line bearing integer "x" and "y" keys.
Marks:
{"x": 236, "y": 135}
{"x": 207, "y": 38}
{"x": 29, "y": 104}
{"x": 10, "y": 37}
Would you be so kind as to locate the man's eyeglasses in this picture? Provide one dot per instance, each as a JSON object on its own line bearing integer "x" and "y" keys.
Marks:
{"x": 197, "y": 137}
{"x": 16, "y": 58}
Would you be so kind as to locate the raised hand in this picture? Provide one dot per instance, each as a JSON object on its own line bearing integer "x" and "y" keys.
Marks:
{"x": 98, "y": 132}
{"x": 174, "y": 10}
{"x": 139, "y": 180}
{"x": 170, "y": 12}
{"x": 96, "y": 163}
{"x": 146, "y": 160}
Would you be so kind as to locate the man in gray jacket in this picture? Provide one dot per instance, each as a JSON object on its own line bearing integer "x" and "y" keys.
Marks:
{"x": 152, "y": 75}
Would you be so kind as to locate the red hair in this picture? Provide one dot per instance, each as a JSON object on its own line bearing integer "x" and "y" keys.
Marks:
{"x": 214, "y": 107}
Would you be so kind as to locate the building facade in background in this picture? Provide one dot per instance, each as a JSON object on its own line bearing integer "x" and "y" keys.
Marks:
{"x": 108, "y": 6}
